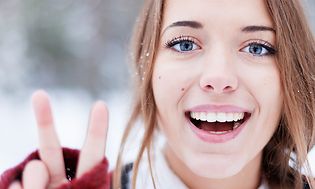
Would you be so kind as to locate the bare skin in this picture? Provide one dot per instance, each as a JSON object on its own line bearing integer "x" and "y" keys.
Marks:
{"x": 49, "y": 171}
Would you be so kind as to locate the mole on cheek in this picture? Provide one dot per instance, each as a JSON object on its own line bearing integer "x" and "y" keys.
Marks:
{"x": 160, "y": 77}
{"x": 183, "y": 89}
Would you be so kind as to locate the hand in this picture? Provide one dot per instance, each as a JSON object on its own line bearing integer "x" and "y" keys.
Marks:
{"x": 49, "y": 172}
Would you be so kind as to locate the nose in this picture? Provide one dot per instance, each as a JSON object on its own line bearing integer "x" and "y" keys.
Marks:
{"x": 218, "y": 76}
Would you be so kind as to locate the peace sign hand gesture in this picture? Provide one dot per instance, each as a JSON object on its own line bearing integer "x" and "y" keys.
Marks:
{"x": 49, "y": 172}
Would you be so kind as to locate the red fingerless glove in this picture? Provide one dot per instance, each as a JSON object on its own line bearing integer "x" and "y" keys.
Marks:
{"x": 96, "y": 178}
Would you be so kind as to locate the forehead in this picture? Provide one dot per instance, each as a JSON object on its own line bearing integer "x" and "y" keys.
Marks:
{"x": 221, "y": 13}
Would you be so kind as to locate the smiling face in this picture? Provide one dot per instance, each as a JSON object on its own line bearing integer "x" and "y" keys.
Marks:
{"x": 216, "y": 85}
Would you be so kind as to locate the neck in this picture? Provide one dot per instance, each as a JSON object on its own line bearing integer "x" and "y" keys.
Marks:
{"x": 248, "y": 178}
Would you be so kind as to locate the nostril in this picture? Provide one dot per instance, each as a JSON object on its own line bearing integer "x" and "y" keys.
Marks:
{"x": 218, "y": 83}
{"x": 209, "y": 87}
{"x": 227, "y": 88}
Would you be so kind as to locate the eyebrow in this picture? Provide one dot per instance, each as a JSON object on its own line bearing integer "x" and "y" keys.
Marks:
{"x": 257, "y": 29}
{"x": 198, "y": 25}
{"x": 192, "y": 24}
{"x": 185, "y": 23}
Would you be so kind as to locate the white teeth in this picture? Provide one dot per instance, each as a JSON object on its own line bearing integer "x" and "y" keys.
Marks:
{"x": 219, "y": 132}
{"x": 221, "y": 117}
{"x": 217, "y": 116}
{"x": 203, "y": 116}
{"x": 229, "y": 117}
{"x": 211, "y": 117}
{"x": 238, "y": 116}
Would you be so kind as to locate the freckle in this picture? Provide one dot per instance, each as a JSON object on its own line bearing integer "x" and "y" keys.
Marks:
{"x": 160, "y": 77}
{"x": 183, "y": 89}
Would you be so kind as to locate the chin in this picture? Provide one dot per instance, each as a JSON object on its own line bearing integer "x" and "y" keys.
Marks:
{"x": 215, "y": 167}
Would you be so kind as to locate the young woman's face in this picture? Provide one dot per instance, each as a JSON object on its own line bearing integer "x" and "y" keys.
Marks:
{"x": 216, "y": 84}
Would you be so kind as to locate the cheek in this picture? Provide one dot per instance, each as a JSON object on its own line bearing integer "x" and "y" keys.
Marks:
{"x": 270, "y": 92}
{"x": 265, "y": 88}
{"x": 167, "y": 86}
{"x": 271, "y": 101}
{"x": 169, "y": 90}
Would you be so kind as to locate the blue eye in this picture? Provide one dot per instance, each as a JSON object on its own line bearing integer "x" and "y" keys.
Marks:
{"x": 182, "y": 44}
{"x": 258, "y": 49}
{"x": 185, "y": 46}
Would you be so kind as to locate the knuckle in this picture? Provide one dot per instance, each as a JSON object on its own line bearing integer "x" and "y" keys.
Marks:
{"x": 35, "y": 165}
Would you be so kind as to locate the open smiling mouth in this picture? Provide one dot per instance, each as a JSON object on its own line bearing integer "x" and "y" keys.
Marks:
{"x": 218, "y": 123}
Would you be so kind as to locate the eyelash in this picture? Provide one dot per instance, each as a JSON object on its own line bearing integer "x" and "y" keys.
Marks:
{"x": 270, "y": 50}
{"x": 171, "y": 43}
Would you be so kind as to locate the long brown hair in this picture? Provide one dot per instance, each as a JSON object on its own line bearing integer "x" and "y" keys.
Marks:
{"x": 296, "y": 63}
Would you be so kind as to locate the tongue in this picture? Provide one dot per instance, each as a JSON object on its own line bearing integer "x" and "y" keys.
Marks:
{"x": 216, "y": 126}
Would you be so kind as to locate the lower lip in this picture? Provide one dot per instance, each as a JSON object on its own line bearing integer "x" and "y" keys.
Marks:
{"x": 216, "y": 138}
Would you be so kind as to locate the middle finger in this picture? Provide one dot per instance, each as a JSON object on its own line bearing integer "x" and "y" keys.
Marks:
{"x": 94, "y": 146}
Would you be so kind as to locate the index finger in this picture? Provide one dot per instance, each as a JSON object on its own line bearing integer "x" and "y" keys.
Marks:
{"x": 49, "y": 148}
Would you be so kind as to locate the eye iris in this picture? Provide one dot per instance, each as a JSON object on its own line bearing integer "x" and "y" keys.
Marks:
{"x": 186, "y": 46}
{"x": 255, "y": 49}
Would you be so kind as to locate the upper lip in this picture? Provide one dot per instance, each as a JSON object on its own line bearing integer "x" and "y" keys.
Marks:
{"x": 218, "y": 108}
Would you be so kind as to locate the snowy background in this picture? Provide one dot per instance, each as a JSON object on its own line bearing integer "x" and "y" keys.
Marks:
{"x": 76, "y": 50}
